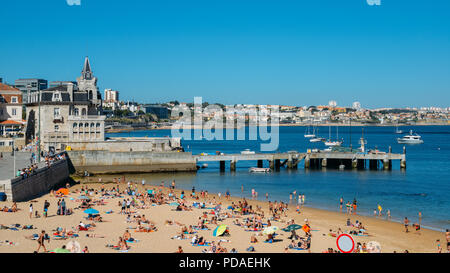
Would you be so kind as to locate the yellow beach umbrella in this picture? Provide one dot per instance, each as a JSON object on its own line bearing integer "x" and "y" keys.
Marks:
{"x": 219, "y": 230}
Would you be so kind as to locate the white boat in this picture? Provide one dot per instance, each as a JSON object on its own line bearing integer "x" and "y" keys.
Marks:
{"x": 333, "y": 143}
{"x": 410, "y": 139}
{"x": 330, "y": 143}
{"x": 308, "y": 134}
{"x": 247, "y": 152}
{"x": 317, "y": 139}
{"x": 397, "y": 131}
{"x": 260, "y": 170}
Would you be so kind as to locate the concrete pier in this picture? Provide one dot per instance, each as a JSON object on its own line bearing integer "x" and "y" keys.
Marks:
{"x": 313, "y": 160}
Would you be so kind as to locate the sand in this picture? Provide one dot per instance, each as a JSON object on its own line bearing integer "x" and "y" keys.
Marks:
{"x": 390, "y": 235}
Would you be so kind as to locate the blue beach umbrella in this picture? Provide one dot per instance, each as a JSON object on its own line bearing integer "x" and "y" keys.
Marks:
{"x": 91, "y": 211}
{"x": 83, "y": 197}
{"x": 174, "y": 204}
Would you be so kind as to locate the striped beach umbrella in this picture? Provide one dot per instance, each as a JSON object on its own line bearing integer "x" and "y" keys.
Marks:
{"x": 270, "y": 230}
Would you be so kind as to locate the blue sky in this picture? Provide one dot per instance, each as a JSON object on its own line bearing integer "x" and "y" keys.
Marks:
{"x": 238, "y": 51}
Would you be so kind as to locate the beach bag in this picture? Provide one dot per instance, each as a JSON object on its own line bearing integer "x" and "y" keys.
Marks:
{"x": 250, "y": 249}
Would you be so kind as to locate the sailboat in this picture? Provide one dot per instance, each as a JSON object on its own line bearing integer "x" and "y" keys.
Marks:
{"x": 397, "y": 131}
{"x": 333, "y": 143}
{"x": 308, "y": 134}
{"x": 316, "y": 139}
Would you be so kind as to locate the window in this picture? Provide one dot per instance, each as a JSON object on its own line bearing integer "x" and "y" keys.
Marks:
{"x": 76, "y": 112}
{"x": 14, "y": 111}
{"x": 56, "y": 128}
{"x": 14, "y": 100}
{"x": 56, "y": 96}
{"x": 56, "y": 112}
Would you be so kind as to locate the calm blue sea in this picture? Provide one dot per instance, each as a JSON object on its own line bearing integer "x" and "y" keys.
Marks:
{"x": 424, "y": 186}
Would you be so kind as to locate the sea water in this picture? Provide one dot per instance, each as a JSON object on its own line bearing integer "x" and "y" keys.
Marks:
{"x": 424, "y": 186}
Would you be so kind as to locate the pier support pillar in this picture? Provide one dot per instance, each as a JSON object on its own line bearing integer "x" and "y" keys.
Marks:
{"x": 222, "y": 166}
{"x": 271, "y": 164}
{"x": 307, "y": 162}
{"x": 233, "y": 165}
{"x": 386, "y": 164}
{"x": 403, "y": 163}
{"x": 260, "y": 163}
{"x": 290, "y": 162}
{"x": 324, "y": 163}
{"x": 354, "y": 163}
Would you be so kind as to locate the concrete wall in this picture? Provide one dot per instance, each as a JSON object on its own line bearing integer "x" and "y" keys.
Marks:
{"x": 42, "y": 182}
{"x": 135, "y": 144}
{"x": 130, "y": 162}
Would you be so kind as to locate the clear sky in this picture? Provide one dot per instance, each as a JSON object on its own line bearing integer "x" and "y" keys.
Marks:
{"x": 298, "y": 52}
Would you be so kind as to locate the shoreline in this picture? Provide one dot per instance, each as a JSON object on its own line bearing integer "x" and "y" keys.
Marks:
{"x": 309, "y": 207}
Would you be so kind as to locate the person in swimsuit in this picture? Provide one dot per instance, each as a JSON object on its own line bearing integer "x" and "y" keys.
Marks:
{"x": 341, "y": 202}
{"x": 406, "y": 223}
{"x": 40, "y": 241}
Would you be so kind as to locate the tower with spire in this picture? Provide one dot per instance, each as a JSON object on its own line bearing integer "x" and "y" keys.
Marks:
{"x": 88, "y": 83}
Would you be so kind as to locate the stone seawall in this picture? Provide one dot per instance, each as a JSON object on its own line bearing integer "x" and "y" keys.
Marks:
{"x": 106, "y": 162}
{"x": 45, "y": 179}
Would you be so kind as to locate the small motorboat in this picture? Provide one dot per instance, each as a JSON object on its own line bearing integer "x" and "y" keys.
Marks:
{"x": 260, "y": 170}
{"x": 247, "y": 152}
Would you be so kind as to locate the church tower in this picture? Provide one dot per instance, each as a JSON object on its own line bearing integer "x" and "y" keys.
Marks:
{"x": 88, "y": 83}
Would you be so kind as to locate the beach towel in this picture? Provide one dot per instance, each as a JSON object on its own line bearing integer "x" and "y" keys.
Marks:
{"x": 298, "y": 248}
{"x": 205, "y": 244}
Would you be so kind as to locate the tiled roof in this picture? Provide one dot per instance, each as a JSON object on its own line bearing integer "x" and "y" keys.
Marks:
{"x": 5, "y": 87}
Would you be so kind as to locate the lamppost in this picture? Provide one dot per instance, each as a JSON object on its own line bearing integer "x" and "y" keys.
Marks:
{"x": 14, "y": 154}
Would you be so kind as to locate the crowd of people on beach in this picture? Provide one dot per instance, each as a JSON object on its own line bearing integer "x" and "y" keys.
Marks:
{"x": 262, "y": 224}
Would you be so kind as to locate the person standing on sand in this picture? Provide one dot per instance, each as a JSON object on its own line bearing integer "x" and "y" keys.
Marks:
{"x": 341, "y": 202}
{"x": 406, "y": 223}
{"x": 267, "y": 196}
{"x": 31, "y": 210}
{"x": 46, "y": 205}
{"x": 290, "y": 197}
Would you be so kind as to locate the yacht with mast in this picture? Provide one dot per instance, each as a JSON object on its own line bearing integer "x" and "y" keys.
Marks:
{"x": 308, "y": 134}
{"x": 331, "y": 143}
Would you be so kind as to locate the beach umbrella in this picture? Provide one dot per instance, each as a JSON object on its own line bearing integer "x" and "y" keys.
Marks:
{"x": 150, "y": 191}
{"x": 91, "y": 211}
{"x": 292, "y": 227}
{"x": 219, "y": 230}
{"x": 373, "y": 247}
{"x": 174, "y": 204}
{"x": 60, "y": 250}
{"x": 63, "y": 191}
{"x": 83, "y": 197}
{"x": 230, "y": 207}
{"x": 270, "y": 230}
{"x": 73, "y": 247}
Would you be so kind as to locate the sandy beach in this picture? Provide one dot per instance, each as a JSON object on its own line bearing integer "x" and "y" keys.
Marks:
{"x": 391, "y": 235}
